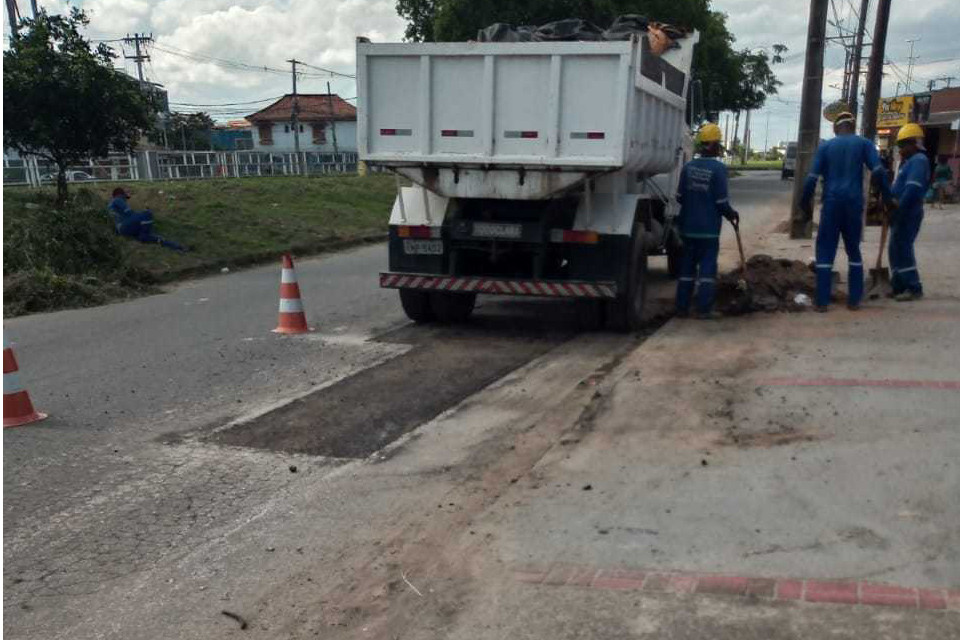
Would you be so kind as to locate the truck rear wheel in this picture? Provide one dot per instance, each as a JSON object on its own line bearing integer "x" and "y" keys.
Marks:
{"x": 416, "y": 304}
{"x": 625, "y": 313}
{"x": 451, "y": 308}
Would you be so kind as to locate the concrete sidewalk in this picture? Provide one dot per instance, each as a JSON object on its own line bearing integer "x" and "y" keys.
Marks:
{"x": 771, "y": 476}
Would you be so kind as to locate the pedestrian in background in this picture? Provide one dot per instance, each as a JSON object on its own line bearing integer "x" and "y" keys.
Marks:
{"x": 839, "y": 162}
{"x": 942, "y": 177}
{"x": 909, "y": 189}
{"x": 704, "y": 202}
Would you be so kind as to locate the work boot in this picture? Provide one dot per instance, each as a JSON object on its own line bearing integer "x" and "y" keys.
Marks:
{"x": 853, "y": 307}
{"x": 709, "y": 315}
{"x": 908, "y": 296}
{"x": 682, "y": 313}
{"x": 820, "y": 308}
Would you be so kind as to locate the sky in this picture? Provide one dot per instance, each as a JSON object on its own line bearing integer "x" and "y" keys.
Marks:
{"x": 322, "y": 33}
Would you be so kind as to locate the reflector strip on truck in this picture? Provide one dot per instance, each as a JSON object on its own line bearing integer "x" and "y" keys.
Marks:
{"x": 456, "y": 133}
{"x": 510, "y": 287}
{"x": 520, "y": 134}
{"x": 587, "y": 135}
{"x": 396, "y": 132}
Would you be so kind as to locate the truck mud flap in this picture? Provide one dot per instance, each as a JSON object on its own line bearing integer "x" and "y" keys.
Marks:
{"x": 500, "y": 286}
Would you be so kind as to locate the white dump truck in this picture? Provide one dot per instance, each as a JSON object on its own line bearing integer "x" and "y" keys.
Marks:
{"x": 538, "y": 169}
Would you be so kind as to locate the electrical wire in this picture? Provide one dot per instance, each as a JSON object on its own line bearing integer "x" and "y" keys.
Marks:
{"x": 226, "y": 104}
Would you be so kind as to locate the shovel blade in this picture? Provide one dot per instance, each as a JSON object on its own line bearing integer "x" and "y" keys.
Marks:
{"x": 879, "y": 283}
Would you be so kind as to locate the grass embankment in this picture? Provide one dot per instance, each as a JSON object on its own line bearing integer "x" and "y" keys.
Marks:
{"x": 229, "y": 222}
{"x": 757, "y": 165}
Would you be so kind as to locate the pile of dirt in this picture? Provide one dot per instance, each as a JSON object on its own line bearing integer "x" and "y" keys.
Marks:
{"x": 773, "y": 284}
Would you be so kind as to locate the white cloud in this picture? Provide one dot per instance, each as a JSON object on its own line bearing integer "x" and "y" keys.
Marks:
{"x": 323, "y": 33}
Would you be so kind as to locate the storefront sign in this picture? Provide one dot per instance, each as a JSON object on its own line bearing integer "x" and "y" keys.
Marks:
{"x": 895, "y": 112}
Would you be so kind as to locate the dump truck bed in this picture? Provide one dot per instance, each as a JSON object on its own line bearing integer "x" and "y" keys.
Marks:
{"x": 577, "y": 107}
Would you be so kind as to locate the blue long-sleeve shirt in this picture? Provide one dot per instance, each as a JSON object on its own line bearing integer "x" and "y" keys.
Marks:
{"x": 702, "y": 193}
{"x": 911, "y": 183}
{"x": 840, "y": 162}
{"x": 120, "y": 210}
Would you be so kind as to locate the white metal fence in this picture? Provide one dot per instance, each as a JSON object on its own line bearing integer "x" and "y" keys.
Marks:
{"x": 180, "y": 165}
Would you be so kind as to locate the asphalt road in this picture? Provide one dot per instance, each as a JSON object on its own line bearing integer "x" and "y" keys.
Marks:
{"x": 115, "y": 482}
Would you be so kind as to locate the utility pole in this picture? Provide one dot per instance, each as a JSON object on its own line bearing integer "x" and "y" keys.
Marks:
{"x": 295, "y": 108}
{"x": 746, "y": 140}
{"x": 810, "y": 105}
{"x": 333, "y": 123}
{"x": 871, "y": 100}
{"x": 766, "y": 137}
{"x": 857, "y": 58}
{"x": 726, "y": 131}
{"x": 136, "y": 40}
{"x": 33, "y": 7}
{"x": 910, "y": 60}
{"x": 13, "y": 16}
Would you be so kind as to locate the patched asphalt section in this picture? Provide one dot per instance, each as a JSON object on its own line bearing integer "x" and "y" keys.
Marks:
{"x": 363, "y": 413}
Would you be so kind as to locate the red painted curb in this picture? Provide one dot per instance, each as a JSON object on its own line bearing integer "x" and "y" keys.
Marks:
{"x": 951, "y": 385}
{"x": 819, "y": 591}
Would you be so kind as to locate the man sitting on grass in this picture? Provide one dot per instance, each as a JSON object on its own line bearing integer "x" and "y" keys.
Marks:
{"x": 136, "y": 224}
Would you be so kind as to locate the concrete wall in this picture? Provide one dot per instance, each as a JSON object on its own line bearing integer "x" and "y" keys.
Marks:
{"x": 283, "y": 140}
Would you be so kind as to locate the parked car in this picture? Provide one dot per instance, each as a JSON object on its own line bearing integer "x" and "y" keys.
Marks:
{"x": 72, "y": 176}
{"x": 789, "y": 161}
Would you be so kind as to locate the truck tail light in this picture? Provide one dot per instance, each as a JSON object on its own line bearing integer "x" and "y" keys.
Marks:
{"x": 419, "y": 231}
{"x": 574, "y": 237}
{"x": 587, "y": 135}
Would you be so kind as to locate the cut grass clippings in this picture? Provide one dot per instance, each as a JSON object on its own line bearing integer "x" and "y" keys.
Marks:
{"x": 225, "y": 223}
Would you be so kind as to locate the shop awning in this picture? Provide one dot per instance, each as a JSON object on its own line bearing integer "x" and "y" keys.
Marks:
{"x": 944, "y": 118}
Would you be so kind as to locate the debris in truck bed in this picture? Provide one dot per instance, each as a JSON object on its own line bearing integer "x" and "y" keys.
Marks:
{"x": 772, "y": 285}
{"x": 662, "y": 36}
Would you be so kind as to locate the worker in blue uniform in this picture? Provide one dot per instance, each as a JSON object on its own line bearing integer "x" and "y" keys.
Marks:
{"x": 136, "y": 224}
{"x": 909, "y": 189}
{"x": 840, "y": 163}
{"x": 703, "y": 198}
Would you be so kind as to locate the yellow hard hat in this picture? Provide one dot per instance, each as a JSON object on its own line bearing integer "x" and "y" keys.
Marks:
{"x": 910, "y": 130}
{"x": 709, "y": 133}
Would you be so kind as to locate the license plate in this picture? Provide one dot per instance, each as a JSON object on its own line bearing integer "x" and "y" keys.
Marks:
{"x": 497, "y": 230}
{"x": 423, "y": 247}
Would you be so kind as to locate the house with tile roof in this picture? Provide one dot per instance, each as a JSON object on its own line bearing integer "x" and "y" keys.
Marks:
{"x": 319, "y": 114}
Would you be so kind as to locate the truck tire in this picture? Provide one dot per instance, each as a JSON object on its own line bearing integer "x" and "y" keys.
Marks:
{"x": 452, "y": 308}
{"x": 416, "y": 304}
{"x": 625, "y": 313}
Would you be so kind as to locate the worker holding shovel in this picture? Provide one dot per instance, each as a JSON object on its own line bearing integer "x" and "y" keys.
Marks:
{"x": 909, "y": 188}
{"x": 840, "y": 162}
{"x": 703, "y": 198}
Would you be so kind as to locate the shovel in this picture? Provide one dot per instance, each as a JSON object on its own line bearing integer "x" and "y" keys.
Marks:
{"x": 742, "y": 282}
{"x": 880, "y": 275}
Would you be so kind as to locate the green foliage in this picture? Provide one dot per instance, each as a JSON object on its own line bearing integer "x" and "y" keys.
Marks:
{"x": 62, "y": 100}
{"x": 67, "y": 256}
{"x": 77, "y": 238}
{"x": 186, "y": 131}
{"x": 731, "y": 79}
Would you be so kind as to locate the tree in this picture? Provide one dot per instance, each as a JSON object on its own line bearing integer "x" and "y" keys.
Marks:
{"x": 716, "y": 64}
{"x": 63, "y": 101}
{"x": 191, "y": 129}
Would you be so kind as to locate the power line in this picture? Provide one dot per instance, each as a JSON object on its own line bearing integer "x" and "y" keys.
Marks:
{"x": 225, "y": 104}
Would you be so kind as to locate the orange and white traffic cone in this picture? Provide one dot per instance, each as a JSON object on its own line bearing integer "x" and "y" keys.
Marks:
{"x": 17, "y": 408}
{"x": 292, "y": 317}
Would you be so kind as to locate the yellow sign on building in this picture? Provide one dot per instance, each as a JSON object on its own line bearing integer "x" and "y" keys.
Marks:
{"x": 894, "y": 112}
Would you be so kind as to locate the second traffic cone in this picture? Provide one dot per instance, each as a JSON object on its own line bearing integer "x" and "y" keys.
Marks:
{"x": 17, "y": 408}
{"x": 292, "y": 318}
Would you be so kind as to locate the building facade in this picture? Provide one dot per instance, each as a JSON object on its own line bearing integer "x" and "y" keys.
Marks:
{"x": 327, "y": 123}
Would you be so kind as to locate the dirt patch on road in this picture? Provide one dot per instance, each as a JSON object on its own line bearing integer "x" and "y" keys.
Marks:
{"x": 764, "y": 439}
{"x": 772, "y": 284}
